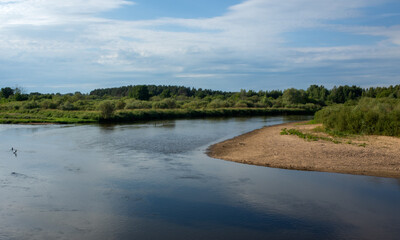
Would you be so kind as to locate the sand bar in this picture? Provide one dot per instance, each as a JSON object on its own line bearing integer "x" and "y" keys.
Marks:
{"x": 362, "y": 155}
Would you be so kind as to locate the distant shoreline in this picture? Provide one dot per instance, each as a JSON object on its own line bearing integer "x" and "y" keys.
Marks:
{"x": 140, "y": 115}
{"x": 361, "y": 155}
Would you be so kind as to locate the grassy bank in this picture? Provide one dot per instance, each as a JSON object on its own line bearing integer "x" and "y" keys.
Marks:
{"x": 131, "y": 116}
{"x": 48, "y": 116}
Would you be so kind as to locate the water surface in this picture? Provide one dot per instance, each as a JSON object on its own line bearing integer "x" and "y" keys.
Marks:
{"x": 154, "y": 181}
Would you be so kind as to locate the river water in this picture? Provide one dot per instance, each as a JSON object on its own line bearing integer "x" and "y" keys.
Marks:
{"x": 154, "y": 181}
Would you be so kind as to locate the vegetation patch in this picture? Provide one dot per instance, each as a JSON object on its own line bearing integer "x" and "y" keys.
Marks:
{"x": 307, "y": 136}
{"x": 368, "y": 116}
{"x": 345, "y": 109}
{"x": 330, "y": 138}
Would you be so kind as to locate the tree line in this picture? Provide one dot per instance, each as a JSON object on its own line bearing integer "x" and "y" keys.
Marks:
{"x": 314, "y": 94}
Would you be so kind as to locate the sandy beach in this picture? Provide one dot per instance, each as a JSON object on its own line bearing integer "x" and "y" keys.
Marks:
{"x": 362, "y": 155}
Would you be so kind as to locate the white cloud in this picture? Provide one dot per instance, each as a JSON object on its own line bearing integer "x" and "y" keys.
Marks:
{"x": 49, "y": 12}
{"x": 392, "y": 33}
{"x": 246, "y": 40}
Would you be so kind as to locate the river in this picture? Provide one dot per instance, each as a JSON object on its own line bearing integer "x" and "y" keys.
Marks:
{"x": 154, "y": 181}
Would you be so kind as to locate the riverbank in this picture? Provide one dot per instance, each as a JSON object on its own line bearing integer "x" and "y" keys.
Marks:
{"x": 132, "y": 116}
{"x": 361, "y": 155}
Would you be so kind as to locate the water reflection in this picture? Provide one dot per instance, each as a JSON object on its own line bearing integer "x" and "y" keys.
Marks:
{"x": 153, "y": 181}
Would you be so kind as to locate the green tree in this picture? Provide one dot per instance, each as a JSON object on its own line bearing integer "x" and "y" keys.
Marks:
{"x": 317, "y": 93}
{"x": 273, "y": 94}
{"x": 140, "y": 92}
{"x": 20, "y": 97}
{"x": 166, "y": 93}
{"x": 342, "y": 94}
{"x": 294, "y": 96}
{"x": 6, "y": 92}
{"x": 200, "y": 93}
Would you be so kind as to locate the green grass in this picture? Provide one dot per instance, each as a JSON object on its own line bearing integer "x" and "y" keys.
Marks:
{"x": 312, "y": 137}
{"x": 332, "y": 132}
{"x": 131, "y": 116}
{"x": 311, "y": 122}
{"x": 48, "y": 116}
{"x": 307, "y": 136}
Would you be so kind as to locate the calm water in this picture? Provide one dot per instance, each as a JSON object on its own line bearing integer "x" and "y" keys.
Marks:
{"x": 154, "y": 181}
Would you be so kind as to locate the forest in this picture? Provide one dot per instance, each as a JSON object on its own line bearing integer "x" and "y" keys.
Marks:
{"x": 352, "y": 109}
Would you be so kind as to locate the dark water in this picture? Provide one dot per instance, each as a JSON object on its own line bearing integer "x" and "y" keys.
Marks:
{"x": 154, "y": 181}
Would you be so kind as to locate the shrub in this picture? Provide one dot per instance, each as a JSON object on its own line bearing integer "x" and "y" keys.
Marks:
{"x": 368, "y": 116}
{"x": 67, "y": 106}
{"x": 136, "y": 104}
{"x": 120, "y": 105}
{"x": 107, "y": 109}
{"x": 164, "y": 104}
{"x": 218, "y": 103}
{"x": 196, "y": 104}
{"x": 241, "y": 104}
{"x": 30, "y": 105}
{"x": 48, "y": 104}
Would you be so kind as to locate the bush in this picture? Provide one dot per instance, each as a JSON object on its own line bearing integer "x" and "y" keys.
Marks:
{"x": 264, "y": 103}
{"x": 136, "y": 104}
{"x": 30, "y": 105}
{"x": 243, "y": 104}
{"x": 48, "y": 104}
{"x": 196, "y": 104}
{"x": 120, "y": 105}
{"x": 218, "y": 103}
{"x": 67, "y": 106}
{"x": 164, "y": 104}
{"x": 368, "y": 116}
{"x": 107, "y": 109}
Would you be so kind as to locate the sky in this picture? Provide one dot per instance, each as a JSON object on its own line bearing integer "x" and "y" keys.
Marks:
{"x": 52, "y": 46}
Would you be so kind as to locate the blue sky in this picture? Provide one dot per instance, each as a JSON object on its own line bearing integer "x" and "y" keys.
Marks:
{"x": 67, "y": 46}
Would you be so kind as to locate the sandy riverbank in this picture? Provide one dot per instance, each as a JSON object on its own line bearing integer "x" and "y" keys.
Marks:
{"x": 363, "y": 155}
